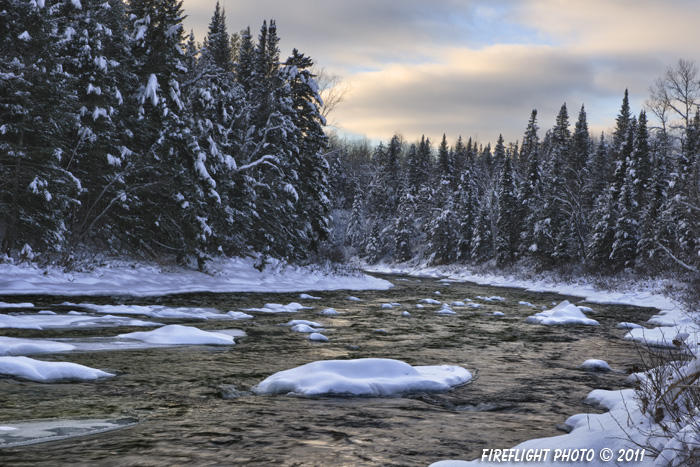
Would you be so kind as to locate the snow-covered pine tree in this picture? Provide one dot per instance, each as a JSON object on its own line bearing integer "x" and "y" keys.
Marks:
{"x": 36, "y": 117}
{"x": 482, "y": 248}
{"x": 446, "y": 164}
{"x": 404, "y": 231}
{"x": 217, "y": 44}
{"x": 508, "y": 223}
{"x": 530, "y": 145}
{"x": 313, "y": 169}
{"x": 99, "y": 56}
{"x": 624, "y": 248}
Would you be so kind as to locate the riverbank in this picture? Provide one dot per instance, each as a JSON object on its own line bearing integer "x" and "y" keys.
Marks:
{"x": 148, "y": 279}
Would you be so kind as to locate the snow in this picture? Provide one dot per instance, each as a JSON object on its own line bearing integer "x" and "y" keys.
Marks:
{"x": 17, "y": 346}
{"x": 158, "y": 311}
{"x": 626, "y": 325}
{"x": 597, "y": 365}
{"x": 314, "y": 324}
{"x": 387, "y": 306}
{"x": 306, "y": 296}
{"x": 318, "y": 337}
{"x": 230, "y": 275}
{"x": 42, "y": 320}
{"x": 330, "y": 312}
{"x": 303, "y": 328}
{"x": 16, "y": 305}
{"x": 42, "y": 372}
{"x": 24, "y": 36}
{"x": 446, "y": 310}
{"x": 498, "y": 313}
{"x": 431, "y": 301}
{"x": 151, "y": 91}
{"x": 354, "y": 299}
{"x": 292, "y": 307}
{"x": 563, "y": 314}
{"x": 375, "y": 377}
{"x": 176, "y": 334}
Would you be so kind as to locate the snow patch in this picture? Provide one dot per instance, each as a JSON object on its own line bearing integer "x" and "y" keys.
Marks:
{"x": 375, "y": 377}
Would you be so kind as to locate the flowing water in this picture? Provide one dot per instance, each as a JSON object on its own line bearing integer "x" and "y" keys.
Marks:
{"x": 192, "y": 404}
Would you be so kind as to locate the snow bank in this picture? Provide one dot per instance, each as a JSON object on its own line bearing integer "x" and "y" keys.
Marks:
{"x": 564, "y": 313}
{"x": 42, "y": 372}
{"x": 608, "y": 430}
{"x": 364, "y": 377}
{"x": 230, "y": 275}
{"x": 176, "y": 334}
{"x": 16, "y": 346}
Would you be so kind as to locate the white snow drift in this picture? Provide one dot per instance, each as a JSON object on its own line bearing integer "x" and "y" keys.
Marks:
{"x": 363, "y": 377}
{"x": 564, "y": 313}
{"x": 42, "y": 372}
{"x": 176, "y": 334}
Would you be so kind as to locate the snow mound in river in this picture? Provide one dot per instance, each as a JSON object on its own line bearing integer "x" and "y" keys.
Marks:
{"x": 363, "y": 377}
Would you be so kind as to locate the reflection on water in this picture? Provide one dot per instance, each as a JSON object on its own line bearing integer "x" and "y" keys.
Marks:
{"x": 194, "y": 406}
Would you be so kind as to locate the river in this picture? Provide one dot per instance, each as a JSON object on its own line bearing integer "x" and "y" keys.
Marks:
{"x": 191, "y": 404}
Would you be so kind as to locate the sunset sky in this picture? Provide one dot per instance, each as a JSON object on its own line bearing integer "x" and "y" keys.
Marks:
{"x": 475, "y": 68}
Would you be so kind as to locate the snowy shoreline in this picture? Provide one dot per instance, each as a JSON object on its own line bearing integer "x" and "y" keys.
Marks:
{"x": 144, "y": 280}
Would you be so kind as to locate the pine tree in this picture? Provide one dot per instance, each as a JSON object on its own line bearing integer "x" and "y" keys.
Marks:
{"x": 508, "y": 225}
{"x": 482, "y": 237}
{"x": 37, "y": 113}
{"x": 313, "y": 169}
{"x": 217, "y": 43}
{"x": 530, "y": 144}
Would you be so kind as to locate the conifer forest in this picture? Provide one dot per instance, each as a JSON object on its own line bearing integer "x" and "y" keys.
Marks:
{"x": 123, "y": 135}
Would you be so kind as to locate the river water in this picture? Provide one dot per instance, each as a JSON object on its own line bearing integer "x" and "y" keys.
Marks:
{"x": 192, "y": 404}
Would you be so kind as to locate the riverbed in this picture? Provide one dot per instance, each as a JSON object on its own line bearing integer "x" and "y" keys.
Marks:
{"x": 192, "y": 405}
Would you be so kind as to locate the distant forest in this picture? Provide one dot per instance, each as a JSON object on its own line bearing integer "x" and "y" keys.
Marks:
{"x": 121, "y": 135}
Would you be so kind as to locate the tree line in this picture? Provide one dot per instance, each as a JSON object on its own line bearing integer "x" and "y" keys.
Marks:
{"x": 629, "y": 200}
{"x": 121, "y": 134}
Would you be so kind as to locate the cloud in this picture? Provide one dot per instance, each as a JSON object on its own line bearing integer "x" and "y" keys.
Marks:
{"x": 476, "y": 67}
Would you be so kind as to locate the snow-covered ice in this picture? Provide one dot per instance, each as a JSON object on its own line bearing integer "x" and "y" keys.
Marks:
{"x": 158, "y": 311}
{"x": 306, "y": 296}
{"x": 318, "y": 337}
{"x": 329, "y": 312}
{"x": 176, "y": 334}
{"x": 597, "y": 365}
{"x": 353, "y": 299}
{"x": 564, "y": 313}
{"x": 387, "y": 306}
{"x": 40, "y": 321}
{"x": 24, "y": 433}
{"x": 626, "y": 325}
{"x": 376, "y": 377}
{"x": 17, "y": 346}
{"x": 292, "y": 307}
{"x": 16, "y": 305}
{"x": 446, "y": 310}
{"x": 42, "y": 372}
{"x": 498, "y": 313}
{"x": 430, "y": 301}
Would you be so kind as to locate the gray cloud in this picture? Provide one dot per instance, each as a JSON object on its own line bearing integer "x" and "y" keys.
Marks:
{"x": 476, "y": 67}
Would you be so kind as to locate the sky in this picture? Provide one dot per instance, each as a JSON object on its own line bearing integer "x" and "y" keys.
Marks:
{"x": 475, "y": 68}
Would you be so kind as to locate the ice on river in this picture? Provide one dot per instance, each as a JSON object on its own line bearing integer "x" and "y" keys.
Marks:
{"x": 17, "y": 346}
{"x": 43, "y": 372}
{"x": 564, "y": 313}
{"x": 40, "y": 321}
{"x": 162, "y": 312}
{"x": 176, "y": 334}
{"x": 374, "y": 377}
{"x": 279, "y": 308}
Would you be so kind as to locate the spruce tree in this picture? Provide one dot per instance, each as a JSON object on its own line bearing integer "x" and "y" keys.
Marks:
{"x": 508, "y": 225}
